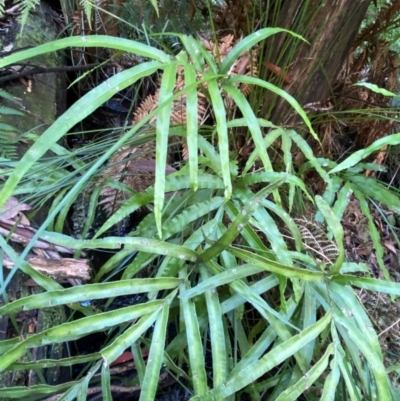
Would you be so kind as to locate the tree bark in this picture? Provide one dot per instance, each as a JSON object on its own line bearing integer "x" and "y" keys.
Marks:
{"x": 330, "y": 27}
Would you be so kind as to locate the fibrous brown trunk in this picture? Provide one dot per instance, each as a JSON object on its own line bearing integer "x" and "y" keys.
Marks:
{"x": 330, "y": 28}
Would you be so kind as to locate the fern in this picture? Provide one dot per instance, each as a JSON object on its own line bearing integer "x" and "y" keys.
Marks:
{"x": 8, "y": 148}
{"x": 7, "y": 96}
{"x": 9, "y": 135}
{"x": 87, "y": 6}
{"x": 6, "y": 127}
{"x": 26, "y": 7}
{"x": 9, "y": 110}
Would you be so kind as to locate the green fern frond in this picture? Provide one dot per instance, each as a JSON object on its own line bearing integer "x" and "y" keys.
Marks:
{"x": 6, "y": 110}
{"x": 6, "y": 127}
{"x": 8, "y": 147}
{"x": 11, "y": 98}
{"x": 9, "y": 135}
{"x": 87, "y": 7}
{"x": 26, "y": 7}
{"x": 9, "y": 110}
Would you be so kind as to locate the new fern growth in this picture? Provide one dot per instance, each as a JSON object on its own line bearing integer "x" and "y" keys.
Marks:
{"x": 9, "y": 135}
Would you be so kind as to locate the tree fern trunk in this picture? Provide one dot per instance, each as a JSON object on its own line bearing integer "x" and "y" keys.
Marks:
{"x": 330, "y": 27}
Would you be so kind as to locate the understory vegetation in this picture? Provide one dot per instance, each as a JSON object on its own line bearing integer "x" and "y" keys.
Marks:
{"x": 235, "y": 253}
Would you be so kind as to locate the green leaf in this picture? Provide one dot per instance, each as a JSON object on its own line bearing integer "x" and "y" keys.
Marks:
{"x": 268, "y": 141}
{"x": 152, "y": 373}
{"x": 280, "y": 92}
{"x": 266, "y": 224}
{"x": 376, "y": 190}
{"x": 106, "y": 382}
{"x": 139, "y": 361}
{"x": 288, "y": 160}
{"x": 134, "y": 243}
{"x": 258, "y": 287}
{"x": 374, "y": 233}
{"x": 209, "y": 58}
{"x": 81, "y": 389}
{"x": 196, "y": 352}
{"x": 10, "y": 111}
{"x": 309, "y": 310}
{"x": 7, "y": 127}
{"x": 376, "y": 89}
{"x": 272, "y": 266}
{"x": 77, "y": 329}
{"x": 162, "y": 132}
{"x": 309, "y": 154}
{"x": 192, "y": 47}
{"x": 89, "y": 292}
{"x": 293, "y": 392}
{"x": 155, "y": 5}
{"x": 272, "y": 176}
{"x": 239, "y": 223}
{"x": 12, "y": 392}
{"x": 374, "y": 360}
{"x": 5, "y": 95}
{"x": 277, "y": 355}
{"x": 252, "y": 239}
{"x": 225, "y": 277}
{"x": 192, "y": 123}
{"x": 242, "y": 122}
{"x": 91, "y": 211}
{"x": 217, "y": 332}
{"x": 277, "y": 320}
{"x": 258, "y": 349}
{"x": 332, "y": 381}
{"x": 172, "y": 184}
{"x": 348, "y": 302}
{"x": 251, "y": 123}
{"x": 350, "y": 267}
{"x": 222, "y": 130}
{"x": 62, "y": 217}
{"x": 110, "y": 42}
{"x": 116, "y": 260}
{"x": 343, "y": 200}
{"x": 353, "y": 390}
{"x": 49, "y": 363}
{"x": 190, "y": 214}
{"x": 337, "y": 230}
{"x": 76, "y": 113}
{"x": 356, "y": 157}
{"x": 248, "y": 42}
{"x": 54, "y": 204}
{"x": 387, "y": 287}
{"x": 287, "y": 220}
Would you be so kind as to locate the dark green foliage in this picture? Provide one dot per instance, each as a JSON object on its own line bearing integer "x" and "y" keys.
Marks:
{"x": 233, "y": 296}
